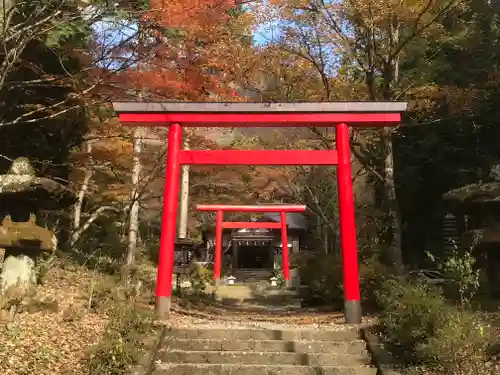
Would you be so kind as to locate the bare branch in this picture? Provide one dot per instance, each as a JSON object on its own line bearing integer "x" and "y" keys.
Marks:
{"x": 77, "y": 233}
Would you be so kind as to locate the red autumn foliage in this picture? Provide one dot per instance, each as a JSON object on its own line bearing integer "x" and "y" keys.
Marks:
{"x": 188, "y": 59}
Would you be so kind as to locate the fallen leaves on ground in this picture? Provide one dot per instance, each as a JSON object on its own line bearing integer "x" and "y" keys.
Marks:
{"x": 54, "y": 340}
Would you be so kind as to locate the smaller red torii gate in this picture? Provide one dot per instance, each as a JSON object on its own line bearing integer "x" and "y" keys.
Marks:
{"x": 220, "y": 224}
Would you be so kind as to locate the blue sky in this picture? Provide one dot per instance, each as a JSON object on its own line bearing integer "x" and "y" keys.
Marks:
{"x": 265, "y": 33}
{"x": 111, "y": 32}
{"x": 114, "y": 32}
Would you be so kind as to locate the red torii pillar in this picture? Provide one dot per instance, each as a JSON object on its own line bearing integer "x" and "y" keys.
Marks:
{"x": 325, "y": 114}
{"x": 220, "y": 224}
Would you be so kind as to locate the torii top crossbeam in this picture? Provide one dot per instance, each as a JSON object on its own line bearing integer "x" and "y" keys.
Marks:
{"x": 325, "y": 114}
{"x": 252, "y": 208}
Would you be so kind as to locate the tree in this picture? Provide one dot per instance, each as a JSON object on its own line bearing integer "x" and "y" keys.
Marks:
{"x": 364, "y": 42}
{"x": 272, "y": 74}
{"x": 181, "y": 54}
{"x": 111, "y": 157}
{"x": 54, "y": 58}
{"x": 192, "y": 59}
{"x": 454, "y": 145}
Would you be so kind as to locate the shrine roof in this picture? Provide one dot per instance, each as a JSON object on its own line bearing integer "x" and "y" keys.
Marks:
{"x": 294, "y": 220}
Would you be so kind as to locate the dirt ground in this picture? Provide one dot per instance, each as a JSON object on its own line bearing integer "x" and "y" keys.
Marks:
{"x": 51, "y": 334}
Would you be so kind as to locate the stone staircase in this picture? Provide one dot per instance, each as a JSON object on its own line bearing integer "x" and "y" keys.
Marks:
{"x": 258, "y": 351}
{"x": 252, "y": 275}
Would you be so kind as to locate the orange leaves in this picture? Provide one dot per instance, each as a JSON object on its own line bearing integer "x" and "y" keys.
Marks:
{"x": 115, "y": 150}
{"x": 281, "y": 76}
{"x": 190, "y": 15}
{"x": 193, "y": 56}
{"x": 383, "y": 15}
{"x": 103, "y": 163}
{"x": 116, "y": 192}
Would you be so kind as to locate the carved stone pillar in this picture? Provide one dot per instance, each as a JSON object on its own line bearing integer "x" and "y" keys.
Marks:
{"x": 270, "y": 262}
{"x": 295, "y": 245}
{"x": 235, "y": 248}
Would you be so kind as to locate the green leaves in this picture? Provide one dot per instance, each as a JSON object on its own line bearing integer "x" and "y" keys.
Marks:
{"x": 64, "y": 32}
{"x": 462, "y": 277}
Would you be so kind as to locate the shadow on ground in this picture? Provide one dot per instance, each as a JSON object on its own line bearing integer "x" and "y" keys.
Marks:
{"x": 246, "y": 298}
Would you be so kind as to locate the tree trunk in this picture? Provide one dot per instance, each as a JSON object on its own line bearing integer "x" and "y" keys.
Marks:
{"x": 326, "y": 244}
{"x": 77, "y": 208}
{"x": 184, "y": 203}
{"x": 135, "y": 205}
{"x": 391, "y": 207}
{"x": 78, "y": 227}
{"x": 5, "y": 6}
{"x": 77, "y": 233}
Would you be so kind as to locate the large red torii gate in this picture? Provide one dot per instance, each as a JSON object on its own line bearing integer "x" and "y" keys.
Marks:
{"x": 328, "y": 114}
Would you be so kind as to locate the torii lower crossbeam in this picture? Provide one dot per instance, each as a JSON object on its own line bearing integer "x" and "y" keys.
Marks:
{"x": 326, "y": 114}
{"x": 259, "y": 157}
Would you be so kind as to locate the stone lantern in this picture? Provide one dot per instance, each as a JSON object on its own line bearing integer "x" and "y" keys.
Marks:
{"x": 22, "y": 240}
{"x": 274, "y": 281}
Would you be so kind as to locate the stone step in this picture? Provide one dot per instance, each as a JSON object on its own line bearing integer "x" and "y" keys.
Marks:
{"x": 228, "y": 369}
{"x": 249, "y": 275}
{"x": 253, "y": 270}
{"x": 264, "y": 334}
{"x": 263, "y": 358}
{"x": 334, "y": 347}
